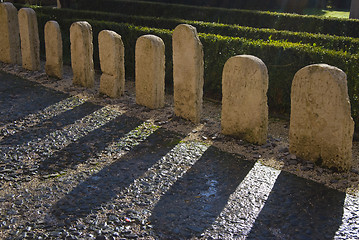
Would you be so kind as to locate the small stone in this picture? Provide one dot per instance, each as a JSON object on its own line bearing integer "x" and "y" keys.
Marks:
{"x": 113, "y": 218}
{"x": 293, "y": 162}
{"x": 305, "y": 168}
{"x": 283, "y": 149}
{"x": 333, "y": 181}
{"x": 55, "y": 234}
{"x": 101, "y": 237}
{"x": 267, "y": 145}
{"x": 131, "y": 236}
{"x": 81, "y": 227}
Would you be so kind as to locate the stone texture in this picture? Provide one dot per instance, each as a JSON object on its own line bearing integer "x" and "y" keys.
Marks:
{"x": 354, "y": 9}
{"x": 30, "y": 43}
{"x": 82, "y": 54}
{"x": 9, "y": 35}
{"x": 187, "y": 72}
{"x": 321, "y": 127}
{"x": 150, "y": 71}
{"x": 244, "y": 99}
{"x": 112, "y": 61}
{"x": 53, "y": 48}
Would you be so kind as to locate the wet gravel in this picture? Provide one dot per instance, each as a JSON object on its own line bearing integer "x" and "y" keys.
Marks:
{"x": 74, "y": 168}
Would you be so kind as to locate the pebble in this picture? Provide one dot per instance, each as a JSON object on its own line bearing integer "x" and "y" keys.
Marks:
{"x": 293, "y": 162}
{"x": 131, "y": 236}
{"x": 267, "y": 145}
{"x": 283, "y": 150}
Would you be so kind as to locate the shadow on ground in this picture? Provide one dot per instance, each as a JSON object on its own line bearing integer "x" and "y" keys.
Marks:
{"x": 88, "y": 146}
{"x": 111, "y": 180}
{"x": 299, "y": 209}
{"x": 20, "y": 97}
{"x": 196, "y": 200}
{"x": 295, "y": 209}
{"x": 50, "y": 125}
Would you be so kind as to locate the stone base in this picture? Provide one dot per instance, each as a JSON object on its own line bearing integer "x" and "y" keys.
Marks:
{"x": 111, "y": 86}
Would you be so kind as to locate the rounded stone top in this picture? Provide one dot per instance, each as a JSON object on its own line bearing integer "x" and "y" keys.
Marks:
{"x": 322, "y": 66}
{"x": 324, "y": 71}
{"x": 150, "y": 38}
{"x": 81, "y": 24}
{"x": 108, "y": 32}
{"x": 249, "y": 59}
{"x": 7, "y": 5}
{"x": 52, "y": 24}
{"x": 189, "y": 29}
{"x": 27, "y": 11}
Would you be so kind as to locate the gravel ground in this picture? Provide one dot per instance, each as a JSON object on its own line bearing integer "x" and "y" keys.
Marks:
{"x": 78, "y": 165}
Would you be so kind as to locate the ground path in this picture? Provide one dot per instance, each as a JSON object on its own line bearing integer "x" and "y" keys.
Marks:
{"x": 77, "y": 167}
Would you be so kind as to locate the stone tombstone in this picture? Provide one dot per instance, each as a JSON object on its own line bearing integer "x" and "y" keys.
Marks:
{"x": 9, "y": 35}
{"x": 150, "y": 71}
{"x": 188, "y": 70}
{"x": 112, "y": 52}
{"x": 53, "y": 49}
{"x": 354, "y": 9}
{"x": 30, "y": 43}
{"x": 321, "y": 127}
{"x": 82, "y": 54}
{"x": 244, "y": 99}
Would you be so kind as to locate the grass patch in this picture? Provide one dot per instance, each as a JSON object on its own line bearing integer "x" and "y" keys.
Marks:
{"x": 326, "y": 13}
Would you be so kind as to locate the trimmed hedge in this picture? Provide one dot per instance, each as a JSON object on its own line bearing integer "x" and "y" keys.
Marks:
{"x": 282, "y": 59}
{"x": 240, "y": 4}
{"x": 258, "y": 19}
{"x": 337, "y": 43}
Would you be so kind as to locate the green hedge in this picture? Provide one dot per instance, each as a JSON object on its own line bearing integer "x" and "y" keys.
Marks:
{"x": 258, "y": 19}
{"x": 240, "y": 4}
{"x": 337, "y": 43}
{"x": 282, "y": 59}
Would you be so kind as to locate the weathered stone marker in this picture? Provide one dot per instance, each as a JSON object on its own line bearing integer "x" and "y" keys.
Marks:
{"x": 9, "y": 35}
{"x": 112, "y": 51}
{"x": 244, "y": 99}
{"x": 150, "y": 71}
{"x": 53, "y": 49}
{"x": 354, "y": 9}
{"x": 30, "y": 43}
{"x": 321, "y": 127}
{"x": 187, "y": 72}
{"x": 82, "y": 54}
